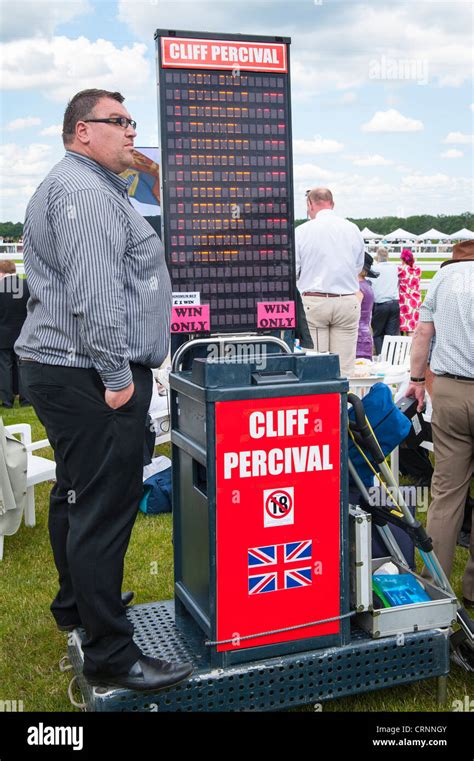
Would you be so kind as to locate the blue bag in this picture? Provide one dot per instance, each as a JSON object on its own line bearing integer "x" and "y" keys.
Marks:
{"x": 157, "y": 493}
{"x": 389, "y": 425}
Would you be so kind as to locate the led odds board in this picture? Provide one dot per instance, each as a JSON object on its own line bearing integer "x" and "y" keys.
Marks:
{"x": 227, "y": 186}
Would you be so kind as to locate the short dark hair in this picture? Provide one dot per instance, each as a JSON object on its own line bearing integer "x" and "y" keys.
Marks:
{"x": 80, "y": 107}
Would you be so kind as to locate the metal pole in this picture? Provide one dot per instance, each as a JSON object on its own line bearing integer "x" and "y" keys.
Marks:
{"x": 384, "y": 531}
{"x": 442, "y": 688}
{"x": 219, "y": 339}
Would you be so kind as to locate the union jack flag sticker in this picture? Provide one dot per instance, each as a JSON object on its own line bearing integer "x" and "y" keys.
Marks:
{"x": 279, "y": 566}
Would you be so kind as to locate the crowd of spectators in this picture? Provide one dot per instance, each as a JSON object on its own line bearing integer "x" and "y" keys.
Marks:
{"x": 350, "y": 303}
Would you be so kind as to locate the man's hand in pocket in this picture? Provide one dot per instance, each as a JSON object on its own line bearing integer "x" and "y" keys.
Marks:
{"x": 116, "y": 399}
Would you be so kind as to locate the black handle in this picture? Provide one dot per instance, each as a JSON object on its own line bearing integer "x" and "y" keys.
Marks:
{"x": 267, "y": 377}
{"x": 362, "y": 433}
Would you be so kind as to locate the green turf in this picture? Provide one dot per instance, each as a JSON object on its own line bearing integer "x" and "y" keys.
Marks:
{"x": 31, "y": 646}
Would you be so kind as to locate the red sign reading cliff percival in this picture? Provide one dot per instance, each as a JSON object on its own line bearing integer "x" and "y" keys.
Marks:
{"x": 181, "y": 52}
{"x": 277, "y": 519}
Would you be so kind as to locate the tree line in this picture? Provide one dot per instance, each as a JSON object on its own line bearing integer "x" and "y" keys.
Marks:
{"x": 418, "y": 224}
{"x": 11, "y": 230}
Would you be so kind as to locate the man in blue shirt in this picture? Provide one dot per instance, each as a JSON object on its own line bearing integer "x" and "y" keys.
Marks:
{"x": 386, "y": 311}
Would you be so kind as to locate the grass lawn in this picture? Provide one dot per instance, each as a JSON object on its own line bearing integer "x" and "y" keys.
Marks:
{"x": 31, "y": 646}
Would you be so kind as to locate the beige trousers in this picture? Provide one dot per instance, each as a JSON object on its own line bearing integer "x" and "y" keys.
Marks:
{"x": 334, "y": 325}
{"x": 453, "y": 442}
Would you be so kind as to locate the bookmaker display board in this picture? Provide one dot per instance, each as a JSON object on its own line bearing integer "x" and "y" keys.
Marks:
{"x": 227, "y": 187}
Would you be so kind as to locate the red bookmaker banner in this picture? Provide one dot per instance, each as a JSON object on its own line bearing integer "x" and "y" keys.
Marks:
{"x": 278, "y": 518}
{"x": 188, "y": 53}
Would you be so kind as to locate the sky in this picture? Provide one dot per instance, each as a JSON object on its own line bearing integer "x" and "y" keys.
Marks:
{"x": 382, "y": 95}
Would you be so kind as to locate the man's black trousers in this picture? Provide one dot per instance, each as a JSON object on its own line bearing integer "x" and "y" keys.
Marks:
{"x": 93, "y": 505}
{"x": 8, "y": 364}
{"x": 385, "y": 322}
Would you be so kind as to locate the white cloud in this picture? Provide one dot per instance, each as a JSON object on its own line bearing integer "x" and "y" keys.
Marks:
{"x": 427, "y": 182}
{"x": 357, "y": 195}
{"x": 22, "y": 168}
{"x": 349, "y": 97}
{"x": 437, "y": 194}
{"x": 334, "y": 45}
{"x": 459, "y": 137}
{"x": 39, "y": 17}
{"x": 353, "y": 194}
{"x": 452, "y": 153}
{"x": 53, "y": 130}
{"x": 392, "y": 121}
{"x": 472, "y": 106}
{"x": 451, "y": 80}
{"x": 312, "y": 174}
{"x": 61, "y": 66}
{"x": 23, "y": 123}
{"x": 374, "y": 160}
{"x": 311, "y": 76}
{"x": 24, "y": 160}
{"x": 316, "y": 146}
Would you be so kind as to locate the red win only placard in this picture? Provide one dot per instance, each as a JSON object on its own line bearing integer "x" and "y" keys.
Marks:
{"x": 188, "y": 53}
{"x": 278, "y": 518}
{"x": 190, "y": 319}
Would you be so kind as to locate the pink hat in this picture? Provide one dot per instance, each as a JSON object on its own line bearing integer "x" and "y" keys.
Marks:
{"x": 407, "y": 256}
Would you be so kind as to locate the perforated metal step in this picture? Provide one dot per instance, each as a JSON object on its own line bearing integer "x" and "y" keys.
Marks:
{"x": 273, "y": 684}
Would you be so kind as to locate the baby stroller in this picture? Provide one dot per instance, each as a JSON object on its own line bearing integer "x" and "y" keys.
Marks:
{"x": 366, "y": 459}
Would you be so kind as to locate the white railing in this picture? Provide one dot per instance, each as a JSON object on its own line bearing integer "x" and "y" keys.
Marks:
{"x": 14, "y": 249}
{"x": 429, "y": 266}
{"x": 420, "y": 251}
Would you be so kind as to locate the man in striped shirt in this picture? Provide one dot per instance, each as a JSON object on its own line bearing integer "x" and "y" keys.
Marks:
{"x": 97, "y": 321}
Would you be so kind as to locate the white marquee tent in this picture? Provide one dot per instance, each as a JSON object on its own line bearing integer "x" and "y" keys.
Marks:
{"x": 369, "y": 235}
{"x": 463, "y": 234}
{"x": 433, "y": 235}
{"x": 400, "y": 234}
{"x": 430, "y": 235}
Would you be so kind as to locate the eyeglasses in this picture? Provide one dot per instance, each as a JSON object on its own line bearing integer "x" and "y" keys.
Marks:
{"x": 122, "y": 121}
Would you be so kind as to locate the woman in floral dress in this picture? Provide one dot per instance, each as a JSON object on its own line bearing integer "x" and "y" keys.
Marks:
{"x": 409, "y": 288}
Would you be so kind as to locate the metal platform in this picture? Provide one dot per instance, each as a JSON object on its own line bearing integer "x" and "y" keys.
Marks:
{"x": 268, "y": 685}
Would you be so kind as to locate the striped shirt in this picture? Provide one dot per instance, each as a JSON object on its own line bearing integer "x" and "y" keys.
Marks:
{"x": 100, "y": 293}
{"x": 449, "y": 304}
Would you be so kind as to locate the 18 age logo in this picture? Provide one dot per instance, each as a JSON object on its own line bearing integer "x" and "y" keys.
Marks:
{"x": 279, "y": 506}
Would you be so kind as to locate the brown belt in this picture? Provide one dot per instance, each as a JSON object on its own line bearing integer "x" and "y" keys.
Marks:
{"x": 327, "y": 295}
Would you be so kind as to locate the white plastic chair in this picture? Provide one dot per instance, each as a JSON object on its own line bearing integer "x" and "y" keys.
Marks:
{"x": 39, "y": 469}
{"x": 159, "y": 412}
{"x": 427, "y": 444}
{"x": 161, "y": 425}
{"x": 396, "y": 350}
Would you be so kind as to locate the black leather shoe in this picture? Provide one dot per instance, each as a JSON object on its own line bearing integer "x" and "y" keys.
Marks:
{"x": 467, "y": 603}
{"x": 145, "y": 674}
{"x": 127, "y": 598}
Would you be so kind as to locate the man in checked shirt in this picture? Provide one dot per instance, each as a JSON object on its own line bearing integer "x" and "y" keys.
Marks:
{"x": 447, "y": 314}
{"x": 97, "y": 321}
